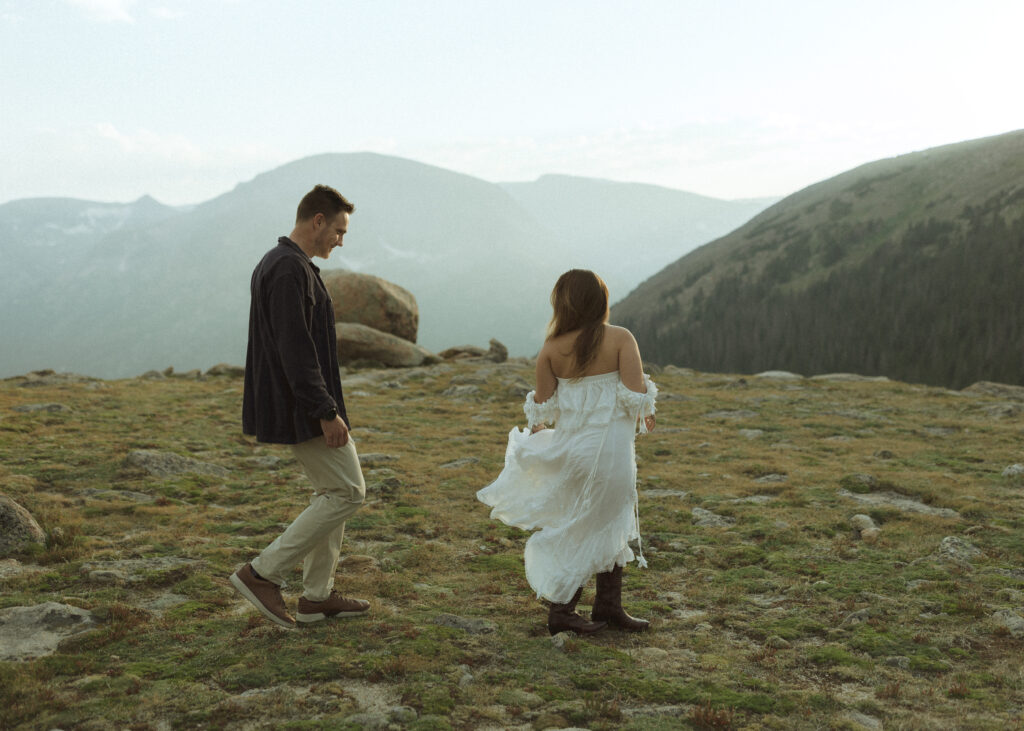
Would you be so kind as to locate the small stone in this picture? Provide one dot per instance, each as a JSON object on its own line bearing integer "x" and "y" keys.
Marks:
{"x": 898, "y": 661}
{"x": 168, "y": 464}
{"x": 559, "y": 641}
{"x": 771, "y": 478}
{"x": 357, "y": 562}
{"x": 51, "y": 408}
{"x": 1011, "y": 621}
{"x": 751, "y": 433}
{"x": 884, "y": 454}
{"x": 855, "y": 618}
{"x": 1014, "y": 470}
{"x": 375, "y": 458}
{"x": 863, "y": 721}
{"x": 778, "y": 643}
{"x": 36, "y": 631}
{"x": 18, "y": 529}
{"x": 471, "y": 626}
{"x": 402, "y": 714}
{"x": 954, "y": 548}
{"x": 461, "y": 462}
{"x": 705, "y": 519}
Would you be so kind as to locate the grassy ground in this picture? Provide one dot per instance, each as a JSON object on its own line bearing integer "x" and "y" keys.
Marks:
{"x": 784, "y": 618}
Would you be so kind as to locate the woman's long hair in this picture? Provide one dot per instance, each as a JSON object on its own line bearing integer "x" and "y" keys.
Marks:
{"x": 580, "y": 302}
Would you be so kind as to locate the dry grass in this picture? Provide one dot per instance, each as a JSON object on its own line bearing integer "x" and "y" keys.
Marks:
{"x": 784, "y": 619}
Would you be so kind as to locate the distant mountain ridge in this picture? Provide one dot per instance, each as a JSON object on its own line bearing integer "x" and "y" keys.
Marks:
{"x": 906, "y": 267}
{"x": 115, "y": 290}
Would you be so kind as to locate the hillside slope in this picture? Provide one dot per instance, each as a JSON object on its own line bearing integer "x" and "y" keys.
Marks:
{"x": 904, "y": 267}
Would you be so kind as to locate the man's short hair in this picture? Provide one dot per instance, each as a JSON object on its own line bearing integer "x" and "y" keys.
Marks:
{"x": 322, "y": 199}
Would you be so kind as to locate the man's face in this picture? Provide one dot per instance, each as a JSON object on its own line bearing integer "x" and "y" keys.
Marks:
{"x": 329, "y": 234}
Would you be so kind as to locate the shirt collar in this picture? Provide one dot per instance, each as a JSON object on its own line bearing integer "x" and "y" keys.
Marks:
{"x": 285, "y": 241}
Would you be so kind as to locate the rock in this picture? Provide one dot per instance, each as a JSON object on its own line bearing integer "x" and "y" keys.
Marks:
{"x": 777, "y": 643}
{"x": 402, "y": 714}
{"x": 774, "y": 477}
{"x": 375, "y": 458}
{"x": 780, "y": 376}
{"x": 899, "y": 502}
{"x": 225, "y": 369}
{"x": 1014, "y": 470}
{"x": 861, "y": 615}
{"x": 751, "y": 433}
{"x": 1011, "y": 621}
{"x": 51, "y": 408}
{"x": 1003, "y": 411}
{"x": 884, "y": 454}
{"x": 29, "y": 632}
{"x": 264, "y": 461}
{"x": 999, "y": 390}
{"x": 461, "y": 391}
{"x": 364, "y": 299}
{"x": 497, "y": 352}
{"x": 859, "y": 482}
{"x": 462, "y": 351}
{"x": 521, "y": 698}
{"x": 472, "y": 626}
{"x": 866, "y": 528}
{"x": 956, "y": 549}
{"x": 368, "y": 721}
{"x": 138, "y": 497}
{"x": 753, "y": 499}
{"x": 134, "y": 570}
{"x": 559, "y": 641}
{"x": 898, "y": 661}
{"x": 706, "y": 519}
{"x": 462, "y": 462}
{"x": 862, "y": 720}
{"x": 689, "y": 616}
{"x": 664, "y": 493}
{"x": 153, "y": 376}
{"x": 518, "y": 388}
{"x": 362, "y": 343}
{"x": 849, "y": 378}
{"x": 168, "y": 464}
{"x": 18, "y": 529}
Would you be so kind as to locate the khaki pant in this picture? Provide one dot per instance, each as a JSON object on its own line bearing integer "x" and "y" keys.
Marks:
{"x": 315, "y": 536}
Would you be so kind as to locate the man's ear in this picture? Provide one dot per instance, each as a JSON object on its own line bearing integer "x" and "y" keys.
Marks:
{"x": 319, "y": 220}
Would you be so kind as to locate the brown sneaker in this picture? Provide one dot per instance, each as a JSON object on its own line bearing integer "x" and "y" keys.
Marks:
{"x": 333, "y": 606}
{"x": 264, "y": 595}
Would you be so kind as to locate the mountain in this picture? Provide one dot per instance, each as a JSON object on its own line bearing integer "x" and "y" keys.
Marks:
{"x": 116, "y": 290}
{"x": 625, "y": 231}
{"x": 907, "y": 267}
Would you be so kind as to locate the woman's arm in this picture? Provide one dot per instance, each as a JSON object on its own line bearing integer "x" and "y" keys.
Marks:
{"x": 546, "y": 380}
{"x": 631, "y": 367}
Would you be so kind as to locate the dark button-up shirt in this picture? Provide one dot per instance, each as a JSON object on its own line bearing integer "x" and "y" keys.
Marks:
{"x": 291, "y": 365}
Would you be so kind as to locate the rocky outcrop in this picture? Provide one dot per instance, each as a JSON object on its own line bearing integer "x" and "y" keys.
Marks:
{"x": 28, "y": 632}
{"x": 374, "y": 302}
{"x": 18, "y": 529}
{"x": 360, "y": 342}
{"x": 999, "y": 390}
{"x": 168, "y": 464}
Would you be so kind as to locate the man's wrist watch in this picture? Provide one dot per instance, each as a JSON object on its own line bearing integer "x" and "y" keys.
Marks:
{"x": 331, "y": 415}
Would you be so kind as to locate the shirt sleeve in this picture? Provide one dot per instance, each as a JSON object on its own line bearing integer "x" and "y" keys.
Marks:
{"x": 545, "y": 413}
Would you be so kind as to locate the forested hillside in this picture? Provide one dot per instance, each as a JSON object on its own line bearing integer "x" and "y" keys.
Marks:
{"x": 907, "y": 268}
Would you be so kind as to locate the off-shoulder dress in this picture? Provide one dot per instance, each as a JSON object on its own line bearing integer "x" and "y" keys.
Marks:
{"x": 576, "y": 483}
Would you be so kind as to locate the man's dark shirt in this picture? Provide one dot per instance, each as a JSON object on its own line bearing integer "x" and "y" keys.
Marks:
{"x": 291, "y": 366}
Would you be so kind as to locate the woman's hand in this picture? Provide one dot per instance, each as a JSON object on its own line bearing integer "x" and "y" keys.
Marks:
{"x": 649, "y": 422}
{"x": 538, "y": 427}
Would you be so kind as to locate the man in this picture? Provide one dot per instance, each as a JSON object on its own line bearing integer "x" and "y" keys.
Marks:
{"x": 293, "y": 396}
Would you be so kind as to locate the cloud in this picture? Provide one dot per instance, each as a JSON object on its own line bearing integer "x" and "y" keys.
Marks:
{"x": 111, "y": 11}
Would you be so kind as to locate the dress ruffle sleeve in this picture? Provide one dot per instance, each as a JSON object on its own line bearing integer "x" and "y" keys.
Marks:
{"x": 638, "y": 405}
{"x": 545, "y": 413}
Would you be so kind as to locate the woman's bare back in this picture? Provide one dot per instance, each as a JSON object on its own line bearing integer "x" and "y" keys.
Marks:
{"x": 606, "y": 361}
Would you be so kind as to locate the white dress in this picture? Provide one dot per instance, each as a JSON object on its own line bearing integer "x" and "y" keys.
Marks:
{"x": 576, "y": 482}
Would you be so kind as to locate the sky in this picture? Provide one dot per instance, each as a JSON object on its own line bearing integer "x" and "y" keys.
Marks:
{"x": 110, "y": 100}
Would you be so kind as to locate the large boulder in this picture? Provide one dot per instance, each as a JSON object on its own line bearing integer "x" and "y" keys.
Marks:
{"x": 374, "y": 302}
{"x": 359, "y": 342}
{"x": 18, "y": 529}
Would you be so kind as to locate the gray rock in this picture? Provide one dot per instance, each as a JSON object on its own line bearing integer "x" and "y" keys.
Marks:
{"x": 1003, "y": 411}
{"x": 472, "y": 626}
{"x": 1011, "y": 621}
{"x": 898, "y": 661}
{"x": 134, "y": 570}
{"x": 497, "y": 351}
{"x": 999, "y": 390}
{"x": 370, "y": 721}
{"x": 706, "y": 519}
{"x": 402, "y": 714}
{"x": 12, "y": 568}
{"x": 558, "y": 641}
{"x": 375, "y": 458}
{"x": 461, "y": 391}
{"x": 753, "y": 499}
{"x": 899, "y": 502}
{"x": 855, "y": 618}
{"x": 168, "y": 464}
{"x": 771, "y": 478}
{"x": 778, "y": 643}
{"x": 866, "y": 528}
{"x": 138, "y": 497}
{"x": 849, "y": 378}
{"x": 264, "y": 461}
{"x": 461, "y": 462}
{"x": 862, "y": 720}
{"x": 751, "y": 433}
{"x": 779, "y": 376}
{"x": 226, "y": 369}
{"x": 50, "y": 407}
{"x": 956, "y": 549}
{"x": 18, "y": 529}
{"x": 1014, "y": 470}
{"x": 29, "y": 632}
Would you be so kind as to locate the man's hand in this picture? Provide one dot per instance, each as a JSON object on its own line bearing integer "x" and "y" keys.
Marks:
{"x": 335, "y": 432}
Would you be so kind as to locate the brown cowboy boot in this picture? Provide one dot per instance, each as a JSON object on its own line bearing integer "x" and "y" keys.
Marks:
{"x": 564, "y": 618}
{"x": 608, "y": 603}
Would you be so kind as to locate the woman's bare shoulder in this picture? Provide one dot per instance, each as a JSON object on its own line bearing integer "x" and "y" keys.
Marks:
{"x": 618, "y": 334}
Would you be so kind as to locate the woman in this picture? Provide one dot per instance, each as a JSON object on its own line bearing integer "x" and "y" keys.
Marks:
{"x": 577, "y": 482}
